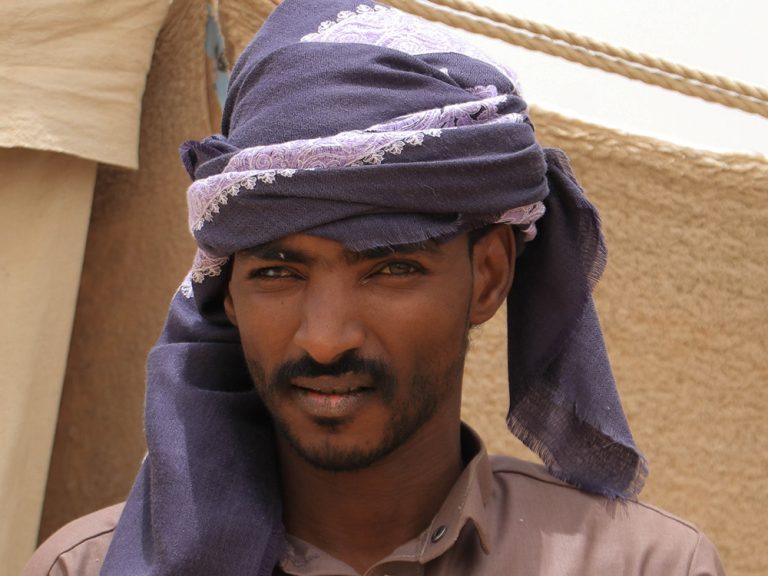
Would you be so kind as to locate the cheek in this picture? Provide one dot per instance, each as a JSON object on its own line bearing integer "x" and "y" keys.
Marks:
{"x": 266, "y": 330}
{"x": 421, "y": 330}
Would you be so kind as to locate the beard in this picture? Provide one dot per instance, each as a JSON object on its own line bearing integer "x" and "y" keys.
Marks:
{"x": 406, "y": 415}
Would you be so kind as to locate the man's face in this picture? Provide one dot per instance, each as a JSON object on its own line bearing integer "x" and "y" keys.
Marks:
{"x": 352, "y": 353}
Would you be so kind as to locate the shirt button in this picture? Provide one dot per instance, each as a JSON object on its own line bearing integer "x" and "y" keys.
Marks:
{"x": 439, "y": 533}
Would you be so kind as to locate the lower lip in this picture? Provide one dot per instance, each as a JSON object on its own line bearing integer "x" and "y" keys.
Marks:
{"x": 332, "y": 405}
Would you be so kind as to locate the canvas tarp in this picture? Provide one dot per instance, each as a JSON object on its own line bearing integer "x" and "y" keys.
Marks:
{"x": 72, "y": 75}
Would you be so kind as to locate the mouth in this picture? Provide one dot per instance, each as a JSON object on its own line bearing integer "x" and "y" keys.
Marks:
{"x": 333, "y": 397}
{"x": 340, "y": 391}
{"x": 331, "y": 386}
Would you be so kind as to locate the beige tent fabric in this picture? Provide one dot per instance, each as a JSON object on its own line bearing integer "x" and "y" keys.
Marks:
{"x": 682, "y": 304}
{"x": 137, "y": 253}
{"x": 73, "y": 73}
{"x": 683, "y": 308}
{"x": 46, "y": 201}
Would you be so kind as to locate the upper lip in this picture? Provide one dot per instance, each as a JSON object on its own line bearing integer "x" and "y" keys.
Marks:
{"x": 345, "y": 384}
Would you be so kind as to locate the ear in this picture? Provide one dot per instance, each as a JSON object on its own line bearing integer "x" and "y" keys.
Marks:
{"x": 229, "y": 307}
{"x": 493, "y": 266}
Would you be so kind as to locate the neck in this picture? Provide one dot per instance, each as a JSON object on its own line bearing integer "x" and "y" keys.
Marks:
{"x": 361, "y": 516}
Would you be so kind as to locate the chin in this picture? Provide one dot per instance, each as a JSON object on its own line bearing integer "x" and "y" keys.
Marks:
{"x": 337, "y": 447}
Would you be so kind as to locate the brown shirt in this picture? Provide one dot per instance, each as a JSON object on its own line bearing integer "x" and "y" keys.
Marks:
{"x": 502, "y": 517}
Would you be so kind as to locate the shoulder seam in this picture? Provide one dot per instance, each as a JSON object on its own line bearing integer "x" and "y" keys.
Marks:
{"x": 76, "y": 544}
{"x": 558, "y": 483}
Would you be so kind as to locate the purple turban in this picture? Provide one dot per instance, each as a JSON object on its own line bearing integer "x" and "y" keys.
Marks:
{"x": 359, "y": 123}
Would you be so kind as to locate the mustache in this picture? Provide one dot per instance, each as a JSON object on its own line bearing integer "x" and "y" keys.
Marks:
{"x": 349, "y": 363}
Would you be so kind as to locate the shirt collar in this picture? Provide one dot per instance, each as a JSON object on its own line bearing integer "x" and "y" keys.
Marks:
{"x": 465, "y": 505}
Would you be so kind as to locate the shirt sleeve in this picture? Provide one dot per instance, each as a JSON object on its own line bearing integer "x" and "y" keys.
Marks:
{"x": 77, "y": 548}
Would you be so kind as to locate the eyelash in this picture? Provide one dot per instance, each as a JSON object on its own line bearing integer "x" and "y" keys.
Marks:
{"x": 282, "y": 272}
{"x": 277, "y": 273}
{"x": 412, "y": 268}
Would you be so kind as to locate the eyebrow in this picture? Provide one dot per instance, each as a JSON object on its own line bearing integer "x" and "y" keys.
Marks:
{"x": 429, "y": 246}
{"x": 277, "y": 252}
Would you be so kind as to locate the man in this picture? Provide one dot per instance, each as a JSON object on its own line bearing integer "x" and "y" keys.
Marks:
{"x": 376, "y": 188}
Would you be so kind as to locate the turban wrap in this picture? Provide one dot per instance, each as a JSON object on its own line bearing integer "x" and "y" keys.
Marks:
{"x": 359, "y": 123}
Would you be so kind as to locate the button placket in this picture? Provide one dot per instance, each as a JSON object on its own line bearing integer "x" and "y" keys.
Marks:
{"x": 398, "y": 569}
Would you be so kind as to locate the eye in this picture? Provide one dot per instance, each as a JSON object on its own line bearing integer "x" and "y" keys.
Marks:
{"x": 273, "y": 273}
{"x": 399, "y": 268}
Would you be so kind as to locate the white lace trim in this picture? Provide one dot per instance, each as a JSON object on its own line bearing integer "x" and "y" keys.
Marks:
{"x": 206, "y": 197}
{"x": 396, "y": 147}
{"x": 213, "y": 204}
{"x": 384, "y": 26}
{"x": 341, "y": 16}
{"x": 485, "y": 111}
{"x": 524, "y": 217}
{"x": 203, "y": 266}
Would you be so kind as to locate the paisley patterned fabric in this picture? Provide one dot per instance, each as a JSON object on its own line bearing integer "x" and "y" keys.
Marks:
{"x": 379, "y": 25}
{"x": 263, "y": 164}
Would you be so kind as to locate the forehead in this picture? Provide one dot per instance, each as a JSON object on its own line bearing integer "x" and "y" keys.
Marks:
{"x": 306, "y": 248}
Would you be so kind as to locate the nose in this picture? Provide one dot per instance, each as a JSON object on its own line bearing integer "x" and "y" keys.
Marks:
{"x": 330, "y": 321}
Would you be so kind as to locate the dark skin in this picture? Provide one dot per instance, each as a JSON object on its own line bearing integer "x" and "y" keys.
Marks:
{"x": 365, "y": 463}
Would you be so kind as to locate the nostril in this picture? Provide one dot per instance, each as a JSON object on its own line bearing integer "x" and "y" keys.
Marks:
{"x": 326, "y": 343}
{"x": 330, "y": 320}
